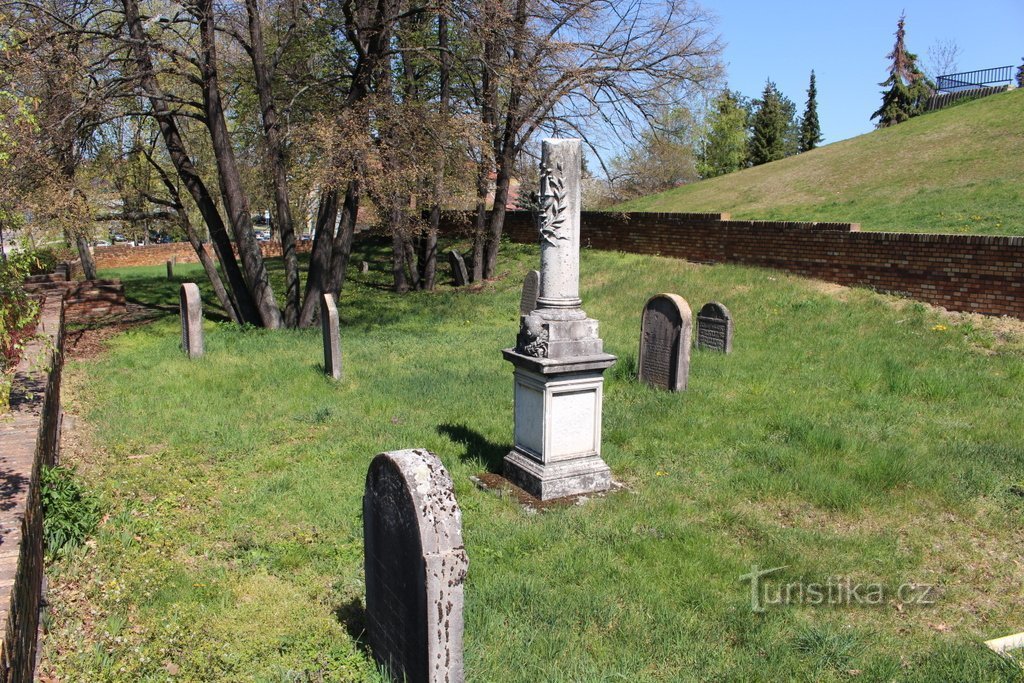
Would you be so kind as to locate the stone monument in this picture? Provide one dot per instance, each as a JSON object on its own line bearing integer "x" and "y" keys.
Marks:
{"x": 714, "y": 328}
{"x": 531, "y": 289}
{"x": 415, "y": 567}
{"x": 559, "y": 358}
{"x": 665, "y": 338}
{"x": 459, "y": 273}
{"x": 191, "y": 305}
{"x": 332, "y": 340}
{"x": 170, "y": 270}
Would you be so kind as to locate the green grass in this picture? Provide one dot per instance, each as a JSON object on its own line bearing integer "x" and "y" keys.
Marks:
{"x": 848, "y": 435}
{"x": 958, "y": 170}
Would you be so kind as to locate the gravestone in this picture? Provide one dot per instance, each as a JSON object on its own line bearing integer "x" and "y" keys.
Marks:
{"x": 332, "y": 340}
{"x": 459, "y": 273}
{"x": 170, "y": 270}
{"x": 191, "y": 320}
{"x": 531, "y": 287}
{"x": 714, "y": 328}
{"x": 364, "y": 267}
{"x": 415, "y": 567}
{"x": 559, "y": 359}
{"x": 665, "y": 337}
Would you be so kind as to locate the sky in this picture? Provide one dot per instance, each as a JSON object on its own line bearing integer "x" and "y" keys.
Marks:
{"x": 846, "y": 42}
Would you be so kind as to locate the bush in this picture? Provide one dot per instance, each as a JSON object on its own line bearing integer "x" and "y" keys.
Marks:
{"x": 70, "y": 512}
{"x": 18, "y": 314}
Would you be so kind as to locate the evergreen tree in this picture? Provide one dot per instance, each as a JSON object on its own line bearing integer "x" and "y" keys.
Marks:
{"x": 1020, "y": 75}
{"x": 724, "y": 147}
{"x": 810, "y": 129}
{"x": 908, "y": 88}
{"x": 775, "y": 131}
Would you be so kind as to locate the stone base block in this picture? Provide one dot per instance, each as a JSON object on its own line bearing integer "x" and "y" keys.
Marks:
{"x": 588, "y": 474}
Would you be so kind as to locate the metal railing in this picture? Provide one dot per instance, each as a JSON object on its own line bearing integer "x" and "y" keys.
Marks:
{"x": 974, "y": 79}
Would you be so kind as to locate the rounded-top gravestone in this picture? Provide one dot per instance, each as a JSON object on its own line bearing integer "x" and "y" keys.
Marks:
{"x": 714, "y": 328}
{"x": 415, "y": 567}
{"x": 665, "y": 337}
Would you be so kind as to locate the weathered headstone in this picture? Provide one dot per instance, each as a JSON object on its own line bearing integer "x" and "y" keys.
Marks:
{"x": 170, "y": 270}
{"x": 332, "y": 339}
{"x": 364, "y": 267}
{"x": 559, "y": 357}
{"x": 191, "y": 320}
{"x": 714, "y": 328}
{"x": 531, "y": 287}
{"x": 665, "y": 337}
{"x": 459, "y": 273}
{"x": 415, "y": 566}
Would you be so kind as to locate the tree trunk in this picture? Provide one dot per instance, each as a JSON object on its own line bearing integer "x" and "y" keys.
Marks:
{"x": 88, "y": 265}
{"x": 480, "y": 224}
{"x": 320, "y": 259}
{"x": 497, "y": 220}
{"x": 232, "y": 189}
{"x": 186, "y": 170}
{"x": 278, "y": 165}
{"x": 342, "y": 248}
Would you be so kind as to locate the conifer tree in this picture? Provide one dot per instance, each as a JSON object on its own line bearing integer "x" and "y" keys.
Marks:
{"x": 725, "y": 144}
{"x": 908, "y": 88}
{"x": 774, "y": 130}
{"x": 810, "y": 129}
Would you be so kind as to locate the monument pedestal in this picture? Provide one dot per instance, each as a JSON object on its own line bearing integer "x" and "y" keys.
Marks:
{"x": 557, "y": 450}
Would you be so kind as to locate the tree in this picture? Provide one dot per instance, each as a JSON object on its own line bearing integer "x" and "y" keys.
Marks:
{"x": 908, "y": 88}
{"x": 663, "y": 159}
{"x": 1020, "y": 75}
{"x": 810, "y": 130}
{"x": 725, "y": 145}
{"x": 943, "y": 58}
{"x": 773, "y": 135}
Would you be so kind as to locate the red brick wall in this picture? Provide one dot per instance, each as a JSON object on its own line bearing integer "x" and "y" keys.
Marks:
{"x": 960, "y": 272}
{"x": 122, "y": 256}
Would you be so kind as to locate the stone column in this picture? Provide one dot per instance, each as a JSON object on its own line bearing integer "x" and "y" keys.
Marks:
{"x": 559, "y": 358}
{"x": 191, "y": 305}
{"x": 332, "y": 338}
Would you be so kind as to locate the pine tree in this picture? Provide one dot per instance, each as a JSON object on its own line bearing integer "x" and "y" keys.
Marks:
{"x": 775, "y": 132}
{"x": 810, "y": 129}
{"x": 724, "y": 145}
{"x": 908, "y": 88}
{"x": 1020, "y": 75}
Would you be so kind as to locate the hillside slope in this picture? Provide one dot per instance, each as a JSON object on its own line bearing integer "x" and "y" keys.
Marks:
{"x": 959, "y": 170}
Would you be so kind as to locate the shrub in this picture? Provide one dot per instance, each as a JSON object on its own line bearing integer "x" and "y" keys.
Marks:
{"x": 18, "y": 313}
{"x": 70, "y": 512}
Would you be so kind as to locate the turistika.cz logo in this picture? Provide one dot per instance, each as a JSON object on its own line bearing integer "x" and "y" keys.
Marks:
{"x": 833, "y": 592}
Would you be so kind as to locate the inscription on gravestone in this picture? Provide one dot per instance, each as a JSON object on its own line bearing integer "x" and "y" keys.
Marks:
{"x": 332, "y": 340}
{"x": 415, "y": 567}
{"x": 191, "y": 306}
{"x": 459, "y": 273}
{"x": 665, "y": 335}
{"x": 714, "y": 328}
{"x": 531, "y": 287}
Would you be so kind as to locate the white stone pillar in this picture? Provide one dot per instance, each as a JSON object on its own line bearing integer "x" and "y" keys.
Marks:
{"x": 559, "y": 224}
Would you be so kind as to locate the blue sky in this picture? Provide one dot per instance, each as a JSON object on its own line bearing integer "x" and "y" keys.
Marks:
{"x": 846, "y": 43}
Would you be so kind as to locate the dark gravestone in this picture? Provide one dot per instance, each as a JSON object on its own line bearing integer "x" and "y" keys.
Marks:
{"x": 665, "y": 333}
{"x": 170, "y": 270}
{"x": 191, "y": 319}
{"x": 415, "y": 567}
{"x": 332, "y": 339}
{"x": 531, "y": 287}
{"x": 459, "y": 273}
{"x": 714, "y": 328}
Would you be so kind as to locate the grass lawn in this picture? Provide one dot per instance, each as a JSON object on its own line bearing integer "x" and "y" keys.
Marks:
{"x": 957, "y": 170}
{"x": 850, "y": 436}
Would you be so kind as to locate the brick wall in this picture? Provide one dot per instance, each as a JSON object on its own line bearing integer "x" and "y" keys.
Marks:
{"x": 960, "y": 272}
{"x": 29, "y": 439}
{"x": 123, "y": 256}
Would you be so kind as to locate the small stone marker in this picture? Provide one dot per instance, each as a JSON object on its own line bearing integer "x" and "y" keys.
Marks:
{"x": 714, "y": 328}
{"x": 364, "y": 267}
{"x": 531, "y": 287}
{"x": 415, "y": 567}
{"x": 332, "y": 340}
{"x": 170, "y": 270}
{"x": 665, "y": 336}
{"x": 459, "y": 273}
{"x": 191, "y": 320}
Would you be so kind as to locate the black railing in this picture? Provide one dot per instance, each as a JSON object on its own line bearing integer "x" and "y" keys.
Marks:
{"x": 974, "y": 79}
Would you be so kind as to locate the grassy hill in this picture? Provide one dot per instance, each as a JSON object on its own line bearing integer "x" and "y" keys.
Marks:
{"x": 959, "y": 170}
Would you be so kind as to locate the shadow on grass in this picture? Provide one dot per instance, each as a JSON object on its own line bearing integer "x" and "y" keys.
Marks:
{"x": 477, "y": 447}
{"x": 352, "y": 615}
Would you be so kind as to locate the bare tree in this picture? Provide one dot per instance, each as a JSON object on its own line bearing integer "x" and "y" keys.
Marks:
{"x": 942, "y": 58}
